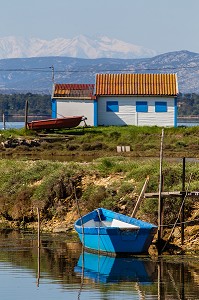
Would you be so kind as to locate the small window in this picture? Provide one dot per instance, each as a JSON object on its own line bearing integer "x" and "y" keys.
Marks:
{"x": 112, "y": 106}
{"x": 141, "y": 106}
{"x": 160, "y": 106}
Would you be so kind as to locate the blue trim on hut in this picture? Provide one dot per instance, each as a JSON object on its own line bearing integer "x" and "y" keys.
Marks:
{"x": 54, "y": 108}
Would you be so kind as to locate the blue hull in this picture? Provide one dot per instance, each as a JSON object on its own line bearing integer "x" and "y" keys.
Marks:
{"x": 133, "y": 236}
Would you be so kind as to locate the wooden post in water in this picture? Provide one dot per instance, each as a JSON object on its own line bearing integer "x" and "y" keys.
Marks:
{"x": 160, "y": 200}
{"x": 183, "y": 196}
{"x": 26, "y": 115}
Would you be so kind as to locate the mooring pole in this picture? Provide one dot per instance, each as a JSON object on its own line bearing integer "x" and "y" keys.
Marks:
{"x": 4, "y": 122}
{"x": 26, "y": 115}
{"x": 183, "y": 195}
{"x": 160, "y": 201}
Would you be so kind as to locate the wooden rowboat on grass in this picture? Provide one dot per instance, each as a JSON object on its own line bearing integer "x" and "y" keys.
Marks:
{"x": 57, "y": 123}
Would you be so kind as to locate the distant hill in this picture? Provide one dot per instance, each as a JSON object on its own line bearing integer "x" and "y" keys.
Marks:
{"x": 35, "y": 74}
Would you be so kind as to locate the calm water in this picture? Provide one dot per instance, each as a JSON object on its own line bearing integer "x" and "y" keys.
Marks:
{"x": 61, "y": 271}
{"x": 10, "y": 125}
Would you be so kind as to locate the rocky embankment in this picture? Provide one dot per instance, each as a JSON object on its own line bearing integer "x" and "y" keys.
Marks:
{"x": 16, "y": 142}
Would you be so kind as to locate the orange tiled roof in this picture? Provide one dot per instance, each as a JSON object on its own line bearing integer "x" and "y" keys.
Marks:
{"x": 74, "y": 90}
{"x": 136, "y": 84}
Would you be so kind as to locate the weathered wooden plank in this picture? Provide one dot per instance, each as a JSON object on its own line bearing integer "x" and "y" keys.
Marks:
{"x": 141, "y": 196}
{"x": 194, "y": 194}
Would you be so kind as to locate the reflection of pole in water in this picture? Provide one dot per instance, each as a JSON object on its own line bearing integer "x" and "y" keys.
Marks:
{"x": 182, "y": 281}
{"x": 161, "y": 295}
{"x": 179, "y": 292}
{"x": 82, "y": 275}
{"x": 38, "y": 248}
{"x": 140, "y": 293}
{"x": 174, "y": 285}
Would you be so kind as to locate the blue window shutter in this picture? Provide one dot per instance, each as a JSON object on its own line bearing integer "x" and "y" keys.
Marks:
{"x": 141, "y": 106}
{"x": 112, "y": 106}
{"x": 160, "y": 106}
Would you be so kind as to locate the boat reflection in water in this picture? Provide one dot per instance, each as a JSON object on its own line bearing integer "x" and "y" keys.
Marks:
{"x": 107, "y": 269}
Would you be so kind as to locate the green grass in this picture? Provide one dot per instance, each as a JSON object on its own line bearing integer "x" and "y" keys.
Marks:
{"x": 25, "y": 185}
{"x": 143, "y": 141}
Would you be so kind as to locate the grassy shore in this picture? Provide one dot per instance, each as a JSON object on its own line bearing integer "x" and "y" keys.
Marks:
{"x": 103, "y": 141}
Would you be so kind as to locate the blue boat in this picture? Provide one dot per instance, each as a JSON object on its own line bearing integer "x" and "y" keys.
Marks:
{"x": 107, "y": 269}
{"x": 108, "y": 232}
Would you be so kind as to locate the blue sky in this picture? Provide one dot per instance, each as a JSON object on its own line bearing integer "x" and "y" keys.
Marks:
{"x": 161, "y": 25}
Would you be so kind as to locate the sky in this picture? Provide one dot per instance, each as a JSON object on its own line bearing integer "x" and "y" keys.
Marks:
{"x": 161, "y": 25}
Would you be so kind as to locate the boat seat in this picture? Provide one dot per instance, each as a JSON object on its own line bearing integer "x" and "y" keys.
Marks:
{"x": 92, "y": 223}
{"x": 120, "y": 224}
{"x": 113, "y": 223}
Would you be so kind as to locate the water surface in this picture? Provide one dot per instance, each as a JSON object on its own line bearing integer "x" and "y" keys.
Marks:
{"x": 60, "y": 270}
{"x": 18, "y": 125}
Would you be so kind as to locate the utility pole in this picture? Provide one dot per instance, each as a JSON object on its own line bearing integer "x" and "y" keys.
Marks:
{"x": 53, "y": 74}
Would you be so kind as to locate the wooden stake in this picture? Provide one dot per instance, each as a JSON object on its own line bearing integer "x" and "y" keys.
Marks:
{"x": 183, "y": 196}
{"x": 140, "y": 198}
{"x": 4, "y": 122}
{"x": 26, "y": 115}
{"x": 160, "y": 201}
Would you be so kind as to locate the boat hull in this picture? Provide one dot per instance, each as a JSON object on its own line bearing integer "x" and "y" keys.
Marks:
{"x": 134, "y": 238}
{"x": 57, "y": 123}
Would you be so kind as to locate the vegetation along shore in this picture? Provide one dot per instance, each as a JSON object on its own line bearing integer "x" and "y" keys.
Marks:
{"x": 33, "y": 176}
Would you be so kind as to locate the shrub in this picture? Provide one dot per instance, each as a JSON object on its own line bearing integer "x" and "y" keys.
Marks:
{"x": 93, "y": 196}
{"x": 126, "y": 188}
{"x": 72, "y": 147}
{"x": 115, "y": 135}
{"x": 106, "y": 165}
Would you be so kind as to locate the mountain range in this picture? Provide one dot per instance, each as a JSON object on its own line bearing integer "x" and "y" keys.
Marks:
{"x": 80, "y": 47}
{"x": 37, "y": 74}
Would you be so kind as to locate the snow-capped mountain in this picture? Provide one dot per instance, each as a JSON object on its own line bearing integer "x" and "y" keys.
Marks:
{"x": 79, "y": 47}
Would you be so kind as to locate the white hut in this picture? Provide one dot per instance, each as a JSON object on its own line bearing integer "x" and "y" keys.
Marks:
{"x": 74, "y": 100}
{"x": 120, "y": 99}
{"x": 137, "y": 99}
